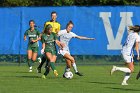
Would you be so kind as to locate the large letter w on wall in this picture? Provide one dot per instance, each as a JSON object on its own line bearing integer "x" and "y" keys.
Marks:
{"x": 115, "y": 43}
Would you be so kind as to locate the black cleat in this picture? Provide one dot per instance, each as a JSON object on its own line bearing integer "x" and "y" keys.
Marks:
{"x": 78, "y": 73}
{"x": 38, "y": 70}
{"x": 64, "y": 76}
{"x": 138, "y": 75}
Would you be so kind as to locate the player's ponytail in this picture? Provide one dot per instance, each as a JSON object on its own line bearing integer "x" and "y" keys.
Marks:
{"x": 70, "y": 22}
{"x": 136, "y": 28}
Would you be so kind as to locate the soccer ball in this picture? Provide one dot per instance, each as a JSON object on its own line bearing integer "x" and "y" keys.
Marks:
{"x": 68, "y": 75}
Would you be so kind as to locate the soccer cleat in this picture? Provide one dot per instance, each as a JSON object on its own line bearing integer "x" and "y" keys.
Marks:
{"x": 138, "y": 75}
{"x": 124, "y": 83}
{"x": 43, "y": 76}
{"x": 55, "y": 73}
{"x": 38, "y": 70}
{"x": 79, "y": 74}
{"x": 30, "y": 70}
{"x": 64, "y": 76}
{"x": 113, "y": 70}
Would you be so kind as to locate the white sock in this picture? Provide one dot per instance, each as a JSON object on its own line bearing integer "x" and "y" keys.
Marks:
{"x": 74, "y": 67}
{"x": 123, "y": 69}
{"x": 126, "y": 77}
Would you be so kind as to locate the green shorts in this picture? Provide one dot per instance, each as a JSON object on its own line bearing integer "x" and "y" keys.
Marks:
{"x": 53, "y": 51}
{"x": 34, "y": 49}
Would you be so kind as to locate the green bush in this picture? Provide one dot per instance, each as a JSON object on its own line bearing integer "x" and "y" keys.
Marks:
{"x": 9, "y": 3}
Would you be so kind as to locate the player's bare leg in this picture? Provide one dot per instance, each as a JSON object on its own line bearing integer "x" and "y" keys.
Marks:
{"x": 68, "y": 66}
{"x": 29, "y": 52}
{"x": 67, "y": 56}
{"x": 127, "y": 70}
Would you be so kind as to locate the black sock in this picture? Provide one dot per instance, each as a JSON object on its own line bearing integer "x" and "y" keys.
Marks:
{"x": 47, "y": 68}
{"x": 42, "y": 62}
{"x": 47, "y": 63}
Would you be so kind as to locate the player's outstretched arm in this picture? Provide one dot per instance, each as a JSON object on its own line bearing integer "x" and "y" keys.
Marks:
{"x": 84, "y": 38}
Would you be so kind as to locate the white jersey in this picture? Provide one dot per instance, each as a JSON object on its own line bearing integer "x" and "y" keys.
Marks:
{"x": 65, "y": 37}
{"x": 129, "y": 44}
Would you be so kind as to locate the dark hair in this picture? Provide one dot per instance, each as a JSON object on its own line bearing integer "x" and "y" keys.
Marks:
{"x": 70, "y": 22}
{"x": 135, "y": 28}
{"x": 53, "y": 12}
{"x": 31, "y": 21}
{"x": 47, "y": 28}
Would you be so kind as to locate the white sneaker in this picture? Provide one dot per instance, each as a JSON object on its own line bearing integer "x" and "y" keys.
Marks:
{"x": 30, "y": 70}
{"x": 113, "y": 70}
{"x": 124, "y": 83}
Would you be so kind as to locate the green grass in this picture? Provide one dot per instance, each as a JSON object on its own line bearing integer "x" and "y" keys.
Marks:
{"x": 96, "y": 79}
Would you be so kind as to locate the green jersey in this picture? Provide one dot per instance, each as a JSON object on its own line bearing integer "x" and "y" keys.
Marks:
{"x": 49, "y": 41}
{"x": 33, "y": 35}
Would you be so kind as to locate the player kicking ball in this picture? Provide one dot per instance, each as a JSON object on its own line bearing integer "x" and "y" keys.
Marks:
{"x": 65, "y": 36}
{"x": 133, "y": 40}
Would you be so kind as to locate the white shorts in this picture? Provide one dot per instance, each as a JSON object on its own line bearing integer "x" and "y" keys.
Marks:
{"x": 127, "y": 58}
{"x": 63, "y": 52}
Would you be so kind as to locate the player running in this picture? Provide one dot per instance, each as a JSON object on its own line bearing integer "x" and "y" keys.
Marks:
{"x": 32, "y": 49}
{"x": 55, "y": 29}
{"x": 48, "y": 47}
{"x": 65, "y": 37}
{"x": 132, "y": 41}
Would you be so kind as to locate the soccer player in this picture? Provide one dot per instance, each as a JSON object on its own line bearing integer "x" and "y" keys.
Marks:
{"x": 32, "y": 49}
{"x": 132, "y": 41}
{"x": 48, "y": 47}
{"x": 65, "y": 36}
{"x": 55, "y": 29}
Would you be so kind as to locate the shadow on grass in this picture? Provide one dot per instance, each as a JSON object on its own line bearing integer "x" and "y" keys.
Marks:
{"x": 123, "y": 89}
{"x": 39, "y": 76}
{"x": 20, "y": 76}
{"x": 28, "y": 76}
{"x": 103, "y": 82}
{"x": 22, "y": 72}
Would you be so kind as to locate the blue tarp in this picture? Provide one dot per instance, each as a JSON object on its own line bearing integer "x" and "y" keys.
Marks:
{"x": 108, "y": 24}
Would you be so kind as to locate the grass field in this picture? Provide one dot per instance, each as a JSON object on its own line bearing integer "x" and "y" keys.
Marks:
{"x": 96, "y": 79}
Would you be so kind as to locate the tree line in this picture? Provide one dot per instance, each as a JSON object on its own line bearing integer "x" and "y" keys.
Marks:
{"x": 14, "y": 3}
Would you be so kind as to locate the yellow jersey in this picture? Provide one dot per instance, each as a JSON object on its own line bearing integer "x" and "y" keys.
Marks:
{"x": 55, "y": 26}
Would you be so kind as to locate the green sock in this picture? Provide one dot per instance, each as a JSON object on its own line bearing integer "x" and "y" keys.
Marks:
{"x": 30, "y": 62}
{"x": 52, "y": 66}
